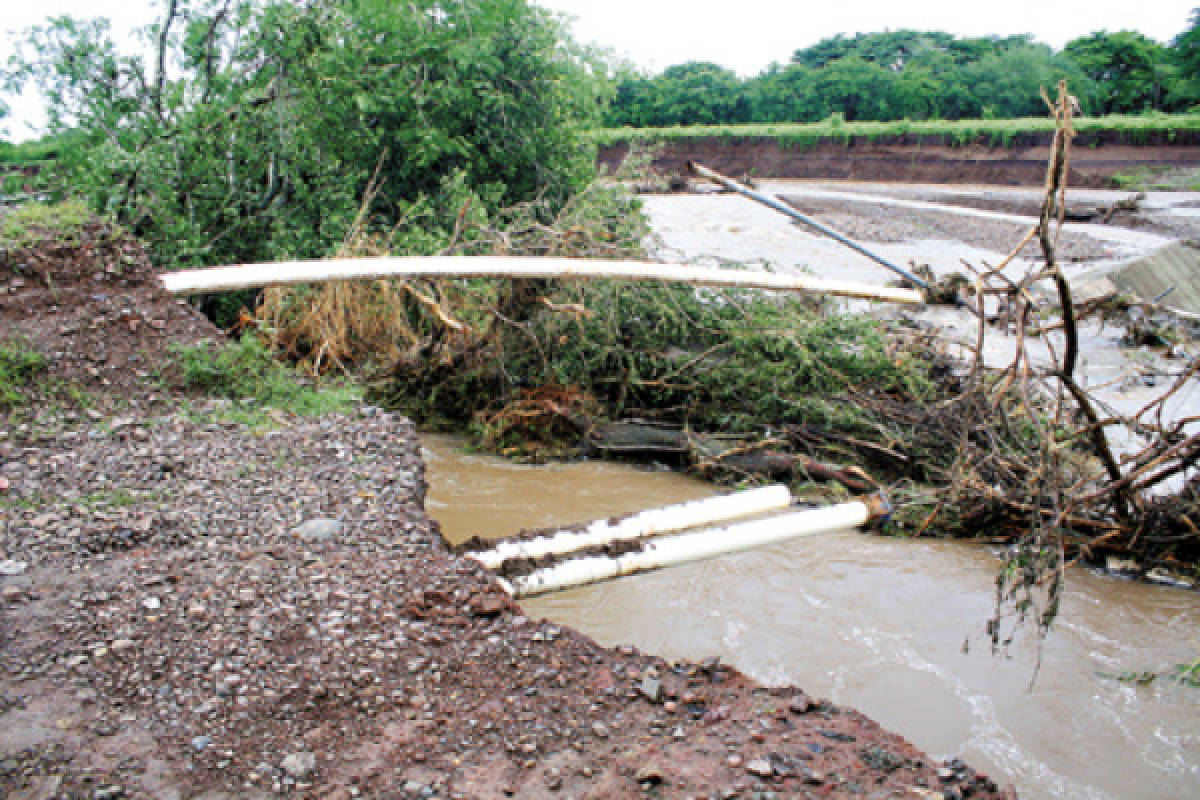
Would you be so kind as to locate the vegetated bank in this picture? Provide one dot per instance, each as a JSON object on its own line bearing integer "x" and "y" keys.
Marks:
{"x": 1006, "y": 152}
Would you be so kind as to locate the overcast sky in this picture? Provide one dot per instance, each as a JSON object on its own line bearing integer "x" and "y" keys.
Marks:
{"x": 745, "y": 35}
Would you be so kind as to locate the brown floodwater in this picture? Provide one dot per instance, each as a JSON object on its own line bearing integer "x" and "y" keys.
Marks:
{"x": 878, "y": 624}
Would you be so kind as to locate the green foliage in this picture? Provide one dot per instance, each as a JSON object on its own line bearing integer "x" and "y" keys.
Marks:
{"x": 729, "y": 361}
{"x": 695, "y": 93}
{"x": 35, "y": 222}
{"x": 32, "y": 167}
{"x": 1131, "y": 70}
{"x": 19, "y": 368}
{"x": 921, "y": 75}
{"x": 259, "y": 140}
{"x": 245, "y": 370}
{"x": 45, "y": 150}
{"x": 1185, "y": 92}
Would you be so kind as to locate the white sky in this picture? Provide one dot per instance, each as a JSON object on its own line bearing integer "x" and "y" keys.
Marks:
{"x": 745, "y": 35}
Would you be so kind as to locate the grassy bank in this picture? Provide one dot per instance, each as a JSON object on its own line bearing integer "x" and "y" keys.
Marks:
{"x": 1132, "y": 129}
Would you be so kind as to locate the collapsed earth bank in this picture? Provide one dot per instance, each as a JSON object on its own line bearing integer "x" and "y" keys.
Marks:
{"x": 196, "y": 608}
{"x": 1096, "y": 158}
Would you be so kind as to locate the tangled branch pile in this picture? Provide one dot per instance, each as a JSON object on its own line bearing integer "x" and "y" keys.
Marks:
{"x": 1076, "y": 496}
{"x": 738, "y": 384}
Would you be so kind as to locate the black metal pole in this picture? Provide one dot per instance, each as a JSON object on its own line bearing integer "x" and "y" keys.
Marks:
{"x": 783, "y": 208}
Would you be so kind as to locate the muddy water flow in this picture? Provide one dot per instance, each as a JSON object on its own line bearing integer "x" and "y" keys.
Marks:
{"x": 879, "y": 625}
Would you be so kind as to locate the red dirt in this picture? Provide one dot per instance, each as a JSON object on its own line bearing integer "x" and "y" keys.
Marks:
{"x": 95, "y": 310}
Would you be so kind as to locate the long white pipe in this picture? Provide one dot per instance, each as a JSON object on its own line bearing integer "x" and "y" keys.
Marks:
{"x": 646, "y": 523}
{"x": 253, "y": 276}
{"x": 682, "y": 548}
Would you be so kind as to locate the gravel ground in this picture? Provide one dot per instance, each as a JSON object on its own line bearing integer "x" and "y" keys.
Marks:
{"x": 875, "y": 222}
{"x": 194, "y": 609}
{"x": 1149, "y": 217}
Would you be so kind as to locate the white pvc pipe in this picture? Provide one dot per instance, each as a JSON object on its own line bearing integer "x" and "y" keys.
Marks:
{"x": 253, "y": 276}
{"x": 646, "y": 523}
{"x": 682, "y": 548}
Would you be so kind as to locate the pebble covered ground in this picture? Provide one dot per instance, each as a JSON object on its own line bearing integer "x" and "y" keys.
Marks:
{"x": 197, "y": 609}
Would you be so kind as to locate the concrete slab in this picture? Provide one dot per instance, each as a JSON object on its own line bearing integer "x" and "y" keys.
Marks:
{"x": 1175, "y": 267}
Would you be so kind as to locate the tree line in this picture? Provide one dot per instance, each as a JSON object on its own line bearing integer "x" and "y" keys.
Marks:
{"x": 921, "y": 75}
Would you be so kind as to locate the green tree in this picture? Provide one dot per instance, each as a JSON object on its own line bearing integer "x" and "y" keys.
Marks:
{"x": 698, "y": 93}
{"x": 856, "y": 88}
{"x": 253, "y": 130}
{"x": 1009, "y": 83}
{"x": 784, "y": 94}
{"x": 1130, "y": 69}
{"x": 1185, "y": 92}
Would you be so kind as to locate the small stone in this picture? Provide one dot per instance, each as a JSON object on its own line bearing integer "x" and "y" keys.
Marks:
{"x": 151, "y": 604}
{"x": 318, "y": 530}
{"x": 121, "y": 645}
{"x": 801, "y": 704}
{"x": 197, "y": 611}
{"x": 110, "y": 792}
{"x": 760, "y": 768}
{"x": 651, "y": 773}
{"x": 600, "y": 730}
{"x": 11, "y": 568}
{"x": 488, "y": 605}
{"x": 13, "y": 594}
{"x": 299, "y": 765}
{"x": 946, "y": 774}
{"x": 733, "y": 761}
{"x": 201, "y": 742}
{"x": 651, "y": 689}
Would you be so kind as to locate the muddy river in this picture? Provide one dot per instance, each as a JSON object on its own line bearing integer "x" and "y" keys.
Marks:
{"x": 880, "y": 625}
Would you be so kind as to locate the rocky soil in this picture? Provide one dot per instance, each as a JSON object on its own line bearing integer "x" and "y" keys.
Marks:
{"x": 93, "y": 307}
{"x": 196, "y": 609}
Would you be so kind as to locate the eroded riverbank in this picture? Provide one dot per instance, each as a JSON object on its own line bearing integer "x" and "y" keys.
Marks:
{"x": 880, "y": 624}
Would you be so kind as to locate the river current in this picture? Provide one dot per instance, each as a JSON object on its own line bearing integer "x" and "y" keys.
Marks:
{"x": 878, "y": 624}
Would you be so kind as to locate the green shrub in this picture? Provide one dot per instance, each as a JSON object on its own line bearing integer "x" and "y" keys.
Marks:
{"x": 19, "y": 367}
{"x": 28, "y": 224}
{"x": 246, "y": 370}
